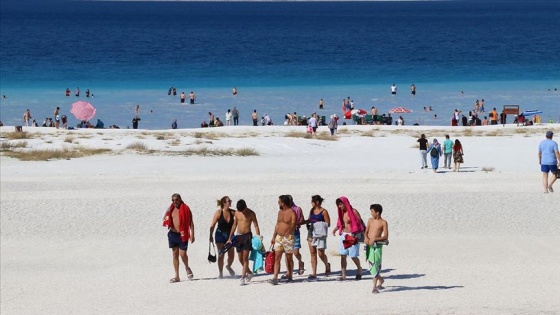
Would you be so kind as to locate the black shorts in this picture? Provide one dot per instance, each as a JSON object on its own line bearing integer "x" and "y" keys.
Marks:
{"x": 244, "y": 242}
{"x": 192, "y": 101}
{"x": 174, "y": 239}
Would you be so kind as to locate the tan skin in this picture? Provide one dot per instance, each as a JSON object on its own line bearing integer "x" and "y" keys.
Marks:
{"x": 285, "y": 226}
{"x": 346, "y": 228}
{"x": 377, "y": 229}
{"x": 228, "y": 217}
{"x": 176, "y": 251}
{"x": 242, "y": 224}
{"x": 317, "y": 209}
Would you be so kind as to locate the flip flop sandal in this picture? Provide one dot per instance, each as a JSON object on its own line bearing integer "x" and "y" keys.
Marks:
{"x": 190, "y": 274}
{"x": 174, "y": 280}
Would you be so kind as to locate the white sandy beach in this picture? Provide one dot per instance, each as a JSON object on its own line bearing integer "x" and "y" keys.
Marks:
{"x": 84, "y": 235}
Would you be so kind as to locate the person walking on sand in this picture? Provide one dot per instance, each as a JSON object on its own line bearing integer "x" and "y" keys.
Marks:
{"x": 549, "y": 159}
{"x": 435, "y": 153}
{"x": 317, "y": 232}
{"x": 447, "y": 152}
{"x": 137, "y": 111}
{"x": 243, "y": 218}
{"x": 26, "y": 117}
{"x": 300, "y": 219}
{"x": 178, "y": 219}
{"x": 377, "y": 230}
{"x": 348, "y": 226}
{"x": 224, "y": 217}
{"x": 457, "y": 155}
{"x": 423, "y": 143}
{"x": 283, "y": 238}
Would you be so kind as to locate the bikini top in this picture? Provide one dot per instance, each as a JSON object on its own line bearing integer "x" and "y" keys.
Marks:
{"x": 316, "y": 217}
{"x": 223, "y": 225}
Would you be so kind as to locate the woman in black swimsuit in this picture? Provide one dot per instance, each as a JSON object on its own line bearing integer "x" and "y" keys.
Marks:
{"x": 224, "y": 218}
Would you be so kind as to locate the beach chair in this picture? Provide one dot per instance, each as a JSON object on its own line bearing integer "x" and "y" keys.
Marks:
{"x": 369, "y": 119}
{"x": 323, "y": 121}
{"x": 356, "y": 120}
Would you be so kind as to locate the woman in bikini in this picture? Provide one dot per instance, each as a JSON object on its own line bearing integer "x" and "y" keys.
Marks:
{"x": 224, "y": 218}
{"x": 318, "y": 220}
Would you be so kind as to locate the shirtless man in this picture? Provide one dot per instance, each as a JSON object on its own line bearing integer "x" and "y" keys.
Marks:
{"x": 26, "y": 117}
{"x": 192, "y": 97}
{"x": 377, "y": 230}
{"x": 178, "y": 218}
{"x": 242, "y": 220}
{"x": 283, "y": 237}
{"x": 349, "y": 223}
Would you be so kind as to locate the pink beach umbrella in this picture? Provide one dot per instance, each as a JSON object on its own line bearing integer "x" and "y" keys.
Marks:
{"x": 400, "y": 110}
{"x": 82, "y": 110}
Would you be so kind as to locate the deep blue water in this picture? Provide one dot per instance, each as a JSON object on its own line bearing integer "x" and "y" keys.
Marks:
{"x": 282, "y": 56}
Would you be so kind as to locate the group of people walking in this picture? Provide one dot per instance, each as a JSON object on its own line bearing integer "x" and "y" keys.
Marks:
{"x": 435, "y": 150}
{"x": 231, "y": 229}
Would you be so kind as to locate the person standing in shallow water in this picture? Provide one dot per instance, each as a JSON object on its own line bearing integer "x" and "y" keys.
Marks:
{"x": 224, "y": 218}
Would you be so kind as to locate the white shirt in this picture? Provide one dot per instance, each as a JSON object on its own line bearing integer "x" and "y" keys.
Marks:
{"x": 393, "y": 88}
{"x": 313, "y": 122}
{"x": 228, "y": 116}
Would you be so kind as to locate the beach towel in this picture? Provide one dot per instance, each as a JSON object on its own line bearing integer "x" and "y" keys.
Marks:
{"x": 373, "y": 257}
{"x": 320, "y": 229}
{"x": 355, "y": 224}
{"x": 185, "y": 220}
{"x": 256, "y": 254}
{"x": 349, "y": 241}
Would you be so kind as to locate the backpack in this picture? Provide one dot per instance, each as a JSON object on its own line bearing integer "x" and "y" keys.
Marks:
{"x": 434, "y": 152}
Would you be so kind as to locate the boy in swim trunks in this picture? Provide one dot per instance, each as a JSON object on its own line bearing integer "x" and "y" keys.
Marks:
{"x": 377, "y": 230}
{"x": 349, "y": 223}
{"x": 242, "y": 220}
{"x": 283, "y": 238}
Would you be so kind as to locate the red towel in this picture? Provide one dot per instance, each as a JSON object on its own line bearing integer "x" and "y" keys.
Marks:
{"x": 349, "y": 241}
{"x": 185, "y": 220}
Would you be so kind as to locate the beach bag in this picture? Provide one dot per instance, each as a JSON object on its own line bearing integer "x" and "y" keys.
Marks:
{"x": 558, "y": 173}
{"x": 211, "y": 258}
{"x": 269, "y": 261}
{"x": 360, "y": 236}
{"x": 434, "y": 152}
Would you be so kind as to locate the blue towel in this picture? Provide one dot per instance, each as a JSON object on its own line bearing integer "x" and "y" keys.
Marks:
{"x": 256, "y": 254}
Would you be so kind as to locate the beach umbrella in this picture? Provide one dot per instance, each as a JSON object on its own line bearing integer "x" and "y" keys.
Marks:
{"x": 531, "y": 112}
{"x": 400, "y": 110}
{"x": 82, "y": 110}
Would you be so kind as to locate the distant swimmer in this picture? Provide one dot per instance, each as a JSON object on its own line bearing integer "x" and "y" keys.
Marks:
{"x": 192, "y": 97}
{"x": 234, "y": 91}
{"x": 394, "y": 89}
{"x": 413, "y": 89}
{"x": 77, "y": 92}
{"x": 321, "y": 104}
{"x": 183, "y": 97}
{"x": 4, "y": 97}
{"x": 67, "y": 92}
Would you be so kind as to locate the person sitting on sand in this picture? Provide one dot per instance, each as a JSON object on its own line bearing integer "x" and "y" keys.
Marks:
{"x": 377, "y": 230}
{"x": 218, "y": 122}
{"x": 178, "y": 219}
{"x": 224, "y": 218}
{"x": 204, "y": 125}
{"x": 243, "y": 218}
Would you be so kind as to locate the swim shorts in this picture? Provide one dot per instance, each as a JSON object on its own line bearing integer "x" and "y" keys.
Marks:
{"x": 297, "y": 239}
{"x": 549, "y": 168}
{"x": 244, "y": 242}
{"x": 174, "y": 239}
{"x": 352, "y": 251}
{"x": 284, "y": 244}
